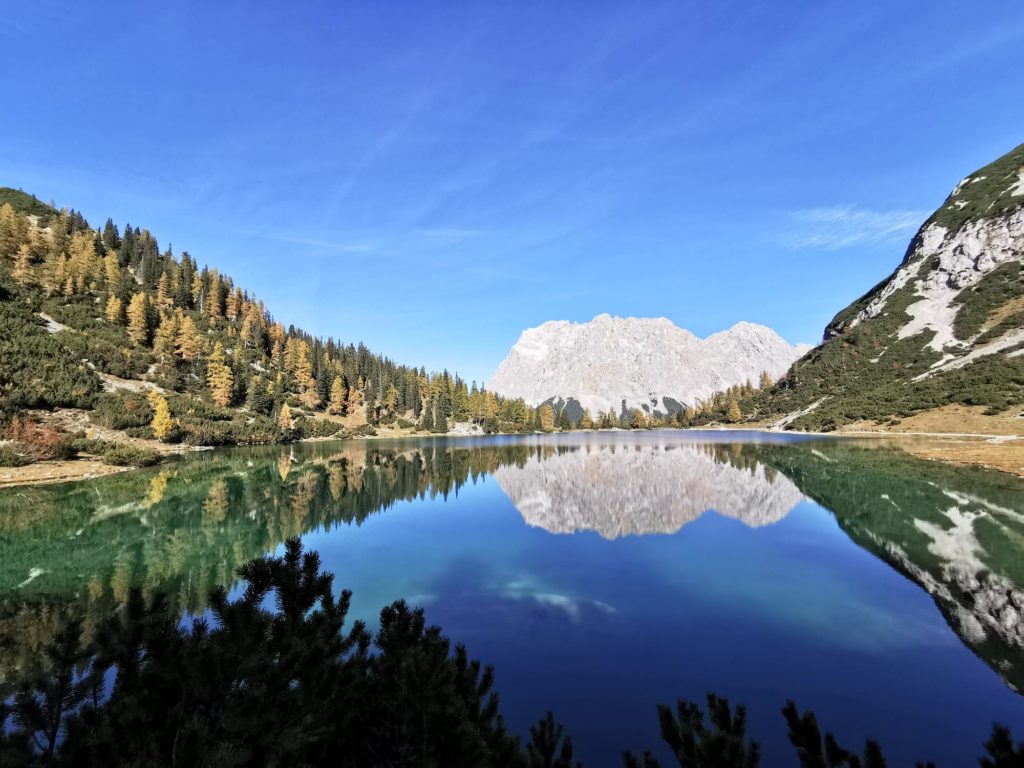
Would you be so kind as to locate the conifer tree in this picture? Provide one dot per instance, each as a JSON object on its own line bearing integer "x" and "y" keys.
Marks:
{"x": 23, "y": 273}
{"x": 766, "y": 380}
{"x": 284, "y": 419}
{"x": 13, "y": 230}
{"x": 219, "y": 378}
{"x": 111, "y": 271}
{"x": 258, "y": 397}
{"x": 336, "y": 403}
{"x": 188, "y": 344}
{"x": 586, "y": 420}
{"x": 162, "y": 424}
{"x": 638, "y": 420}
{"x": 138, "y": 319}
{"x": 427, "y": 422}
{"x": 114, "y": 310}
{"x": 546, "y": 418}
{"x": 165, "y": 339}
{"x": 734, "y": 414}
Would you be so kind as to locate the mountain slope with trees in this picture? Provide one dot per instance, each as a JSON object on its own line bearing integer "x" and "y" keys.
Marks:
{"x": 157, "y": 346}
{"x": 947, "y": 327}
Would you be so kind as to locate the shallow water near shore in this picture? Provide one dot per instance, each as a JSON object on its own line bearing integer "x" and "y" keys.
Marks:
{"x": 599, "y": 573}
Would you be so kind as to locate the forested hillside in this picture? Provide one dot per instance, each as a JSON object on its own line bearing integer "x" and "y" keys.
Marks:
{"x": 946, "y": 328}
{"x": 157, "y": 345}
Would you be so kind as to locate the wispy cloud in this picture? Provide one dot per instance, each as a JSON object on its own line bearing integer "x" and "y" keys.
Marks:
{"x": 843, "y": 226}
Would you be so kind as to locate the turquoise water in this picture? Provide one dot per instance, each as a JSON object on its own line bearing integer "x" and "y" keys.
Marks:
{"x": 600, "y": 574}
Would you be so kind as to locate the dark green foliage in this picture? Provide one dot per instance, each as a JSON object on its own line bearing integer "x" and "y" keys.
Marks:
{"x": 36, "y": 370}
{"x": 310, "y": 427}
{"x": 115, "y": 454}
{"x": 26, "y": 204}
{"x": 815, "y": 751}
{"x": 695, "y": 745}
{"x": 122, "y": 409}
{"x": 991, "y": 292}
{"x": 549, "y": 747}
{"x": 986, "y": 194}
{"x": 12, "y": 457}
{"x": 1000, "y": 750}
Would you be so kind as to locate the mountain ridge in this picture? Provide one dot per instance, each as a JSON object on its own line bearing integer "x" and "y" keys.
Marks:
{"x": 613, "y": 363}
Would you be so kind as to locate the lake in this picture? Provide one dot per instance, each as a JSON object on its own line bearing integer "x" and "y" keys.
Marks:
{"x": 600, "y": 573}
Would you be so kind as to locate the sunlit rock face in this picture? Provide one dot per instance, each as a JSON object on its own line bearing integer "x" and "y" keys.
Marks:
{"x": 622, "y": 491}
{"x": 647, "y": 363}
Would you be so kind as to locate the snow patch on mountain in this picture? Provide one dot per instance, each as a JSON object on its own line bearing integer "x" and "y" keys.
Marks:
{"x": 640, "y": 361}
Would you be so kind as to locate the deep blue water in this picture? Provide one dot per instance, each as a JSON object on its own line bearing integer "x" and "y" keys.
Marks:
{"x": 603, "y": 574}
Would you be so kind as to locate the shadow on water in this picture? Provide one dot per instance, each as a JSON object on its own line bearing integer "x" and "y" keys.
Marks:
{"x": 77, "y": 549}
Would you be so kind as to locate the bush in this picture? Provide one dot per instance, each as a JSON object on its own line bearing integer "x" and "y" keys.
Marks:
{"x": 115, "y": 454}
{"x": 310, "y": 427}
{"x": 36, "y": 370}
{"x": 365, "y": 431}
{"x": 405, "y": 423}
{"x": 11, "y": 457}
{"x": 123, "y": 410}
{"x": 41, "y": 441}
{"x": 126, "y": 455}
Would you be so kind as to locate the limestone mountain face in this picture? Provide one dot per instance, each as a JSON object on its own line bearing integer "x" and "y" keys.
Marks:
{"x": 946, "y": 327}
{"x": 647, "y": 363}
{"x": 617, "y": 491}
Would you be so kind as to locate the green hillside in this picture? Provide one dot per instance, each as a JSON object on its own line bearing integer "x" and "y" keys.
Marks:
{"x": 156, "y": 346}
{"x": 875, "y": 363}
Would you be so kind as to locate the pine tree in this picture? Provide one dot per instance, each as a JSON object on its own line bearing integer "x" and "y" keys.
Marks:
{"x": 441, "y": 424}
{"x": 138, "y": 319}
{"x": 219, "y": 378}
{"x": 766, "y": 380}
{"x": 284, "y": 419}
{"x": 586, "y": 420}
{"x": 162, "y": 424}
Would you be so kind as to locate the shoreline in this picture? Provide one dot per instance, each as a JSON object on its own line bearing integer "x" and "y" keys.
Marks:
{"x": 1002, "y": 453}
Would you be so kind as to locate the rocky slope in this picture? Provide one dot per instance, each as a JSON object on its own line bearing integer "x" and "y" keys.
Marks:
{"x": 946, "y": 327}
{"x": 647, "y": 363}
{"x": 657, "y": 489}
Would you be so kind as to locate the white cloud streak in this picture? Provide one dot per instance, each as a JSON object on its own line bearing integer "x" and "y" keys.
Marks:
{"x": 845, "y": 226}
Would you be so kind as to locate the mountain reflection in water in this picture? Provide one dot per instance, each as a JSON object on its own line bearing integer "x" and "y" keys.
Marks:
{"x": 182, "y": 529}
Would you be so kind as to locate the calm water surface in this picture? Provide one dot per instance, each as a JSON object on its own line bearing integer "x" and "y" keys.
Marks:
{"x": 600, "y": 573}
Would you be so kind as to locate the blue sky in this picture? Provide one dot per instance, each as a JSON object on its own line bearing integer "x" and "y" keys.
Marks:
{"x": 431, "y": 178}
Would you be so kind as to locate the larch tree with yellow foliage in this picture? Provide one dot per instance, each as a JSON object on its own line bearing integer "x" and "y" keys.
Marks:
{"x": 336, "y": 403}
{"x": 546, "y": 415}
{"x": 219, "y": 378}
{"x": 586, "y": 420}
{"x": 284, "y": 418}
{"x": 111, "y": 271}
{"x": 138, "y": 319}
{"x": 162, "y": 424}
{"x": 114, "y": 310}
{"x": 188, "y": 344}
{"x": 734, "y": 413}
{"x": 23, "y": 273}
